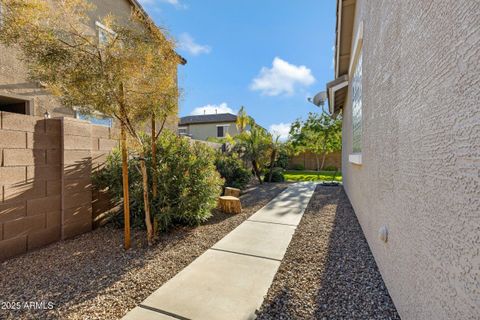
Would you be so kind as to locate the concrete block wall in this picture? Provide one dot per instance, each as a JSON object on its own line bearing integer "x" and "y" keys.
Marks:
{"x": 30, "y": 183}
{"x": 46, "y": 189}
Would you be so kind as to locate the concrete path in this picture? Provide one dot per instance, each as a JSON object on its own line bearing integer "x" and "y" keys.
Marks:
{"x": 231, "y": 279}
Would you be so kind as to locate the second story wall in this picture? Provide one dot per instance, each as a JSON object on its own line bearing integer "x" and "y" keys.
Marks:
{"x": 203, "y": 131}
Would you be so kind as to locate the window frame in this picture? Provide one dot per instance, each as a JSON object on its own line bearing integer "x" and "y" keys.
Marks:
{"x": 355, "y": 156}
{"x": 102, "y": 29}
{"x": 225, "y": 130}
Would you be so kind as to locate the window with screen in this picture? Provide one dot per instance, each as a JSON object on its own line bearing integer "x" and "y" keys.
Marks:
{"x": 357, "y": 106}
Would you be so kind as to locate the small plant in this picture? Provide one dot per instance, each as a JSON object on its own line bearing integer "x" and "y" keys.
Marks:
{"x": 231, "y": 169}
{"x": 298, "y": 166}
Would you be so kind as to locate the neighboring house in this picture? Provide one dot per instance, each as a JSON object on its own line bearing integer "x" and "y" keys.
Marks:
{"x": 407, "y": 83}
{"x": 19, "y": 95}
{"x": 202, "y": 127}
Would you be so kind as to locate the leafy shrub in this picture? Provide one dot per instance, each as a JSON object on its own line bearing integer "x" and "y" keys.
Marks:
{"x": 282, "y": 160}
{"x": 188, "y": 184}
{"x": 277, "y": 175}
{"x": 298, "y": 166}
{"x": 231, "y": 169}
{"x": 330, "y": 168}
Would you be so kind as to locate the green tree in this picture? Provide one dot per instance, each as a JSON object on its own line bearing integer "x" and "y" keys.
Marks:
{"x": 128, "y": 74}
{"x": 319, "y": 134}
{"x": 254, "y": 145}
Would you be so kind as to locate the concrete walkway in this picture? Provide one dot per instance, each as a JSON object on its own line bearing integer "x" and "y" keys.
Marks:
{"x": 231, "y": 279}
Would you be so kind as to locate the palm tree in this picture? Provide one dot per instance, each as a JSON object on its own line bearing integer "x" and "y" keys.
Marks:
{"x": 242, "y": 119}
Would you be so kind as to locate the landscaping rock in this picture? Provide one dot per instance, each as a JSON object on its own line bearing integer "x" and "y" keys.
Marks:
{"x": 328, "y": 271}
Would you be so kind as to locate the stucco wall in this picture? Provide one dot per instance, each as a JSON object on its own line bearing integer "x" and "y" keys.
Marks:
{"x": 13, "y": 73}
{"x": 421, "y": 153}
{"x": 203, "y": 131}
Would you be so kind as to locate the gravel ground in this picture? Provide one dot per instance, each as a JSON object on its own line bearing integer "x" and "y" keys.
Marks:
{"x": 328, "y": 271}
{"x": 92, "y": 277}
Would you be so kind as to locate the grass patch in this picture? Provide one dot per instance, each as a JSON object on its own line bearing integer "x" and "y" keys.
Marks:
{"x": 311, "y": 175}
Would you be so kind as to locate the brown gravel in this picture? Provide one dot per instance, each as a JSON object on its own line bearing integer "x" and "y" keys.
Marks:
{"x": 328, "y": 271}
{"x": 92, "y": 277}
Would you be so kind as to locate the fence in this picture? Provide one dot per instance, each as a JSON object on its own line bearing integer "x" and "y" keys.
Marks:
{"x": 309, "y": 162}
{"x": 45, "y": 180}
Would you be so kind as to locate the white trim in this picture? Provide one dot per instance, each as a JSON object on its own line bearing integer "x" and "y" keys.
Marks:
{"x": 357, "y": 46}
{"x": 100, "y": 25}
{"x": 355, "y": 158}
{"x": 331, "y": 94}
{"x": 223, "y": 125}
{"x": 339, "y": 28}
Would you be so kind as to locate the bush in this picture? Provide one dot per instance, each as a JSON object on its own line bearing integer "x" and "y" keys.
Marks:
{"x": 277, "y": 175}
{"x": 330, "y": 168}
{"x": 188, "y": 184}
{"x": 298, "y": 166}
{"x": 282, "y": 160}
{"x": 231, "y": 169}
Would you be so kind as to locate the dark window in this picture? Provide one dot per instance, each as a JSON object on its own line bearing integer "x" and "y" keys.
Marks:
{"x": 220, "y": 132}
{"x": 14, "y": 105}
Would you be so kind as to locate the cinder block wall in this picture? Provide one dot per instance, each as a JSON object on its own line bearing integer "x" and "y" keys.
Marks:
{"x": 45, "y": 179}
{"x": 307, "y": 159}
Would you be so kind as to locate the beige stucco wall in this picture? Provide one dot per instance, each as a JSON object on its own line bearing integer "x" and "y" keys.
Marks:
{"x": 421, "y": 153}
{"x": 203, "y": 131}
{"x": 13, "y": 74}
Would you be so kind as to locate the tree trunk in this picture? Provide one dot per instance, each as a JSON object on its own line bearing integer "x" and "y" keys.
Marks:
{"x": 146, "y": 201}
{"x": 229, "y": 204}
{"x": 126, "y": 198}
{"x": 323, "y": 160}
{"x": 256, "y": 170}
{"x": 272, "y": 160}
{"x": 154, "y": 158}
{"x": 317, "y": 161}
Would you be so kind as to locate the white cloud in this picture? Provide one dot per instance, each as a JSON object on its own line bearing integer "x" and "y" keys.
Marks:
{"x": 280, "y": 129}
{"x": 187, "y": 43}
{"x": 281, "y": 78}
{"x": 212, "y": 109}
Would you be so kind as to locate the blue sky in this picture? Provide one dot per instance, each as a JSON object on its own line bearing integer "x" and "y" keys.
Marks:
{"x": 267, "y": 55}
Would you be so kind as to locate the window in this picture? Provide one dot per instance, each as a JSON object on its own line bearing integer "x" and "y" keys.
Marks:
{"x": 222, "y": 130}
{"x": 182, "y": 131}
{"x": 357, "y": 106}
{"x": 97, "y": 119}
{"x": 104, "y": 34}
{"x": 2, "y": 12}
{"x": 16, "y": 105}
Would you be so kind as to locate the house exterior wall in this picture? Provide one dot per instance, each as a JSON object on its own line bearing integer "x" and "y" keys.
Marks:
{"x": 420, "y": 171}
{"x": 13, "y": 73}
{"x": 202, "y": 131}
{"x": 46, "y": 190}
